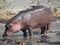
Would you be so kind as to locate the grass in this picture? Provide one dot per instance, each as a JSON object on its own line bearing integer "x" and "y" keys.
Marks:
{"x": 4, "y": 16}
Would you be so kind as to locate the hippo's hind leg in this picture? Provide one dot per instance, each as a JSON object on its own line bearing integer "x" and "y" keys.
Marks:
{"x": 47, "y": 28}
{"x": 43, "y": 28}
{"x": 29, "y": 31}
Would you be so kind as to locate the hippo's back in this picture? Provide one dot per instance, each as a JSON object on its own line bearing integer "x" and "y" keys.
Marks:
{"x": 39, "y": 17}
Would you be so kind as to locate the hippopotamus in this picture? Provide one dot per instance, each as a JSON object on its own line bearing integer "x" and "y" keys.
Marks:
{"x": 28, "y": 19}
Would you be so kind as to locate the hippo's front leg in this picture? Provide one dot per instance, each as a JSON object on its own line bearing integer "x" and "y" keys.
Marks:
{"x": 24, "y": 32}
{"x": 29, "y": 31}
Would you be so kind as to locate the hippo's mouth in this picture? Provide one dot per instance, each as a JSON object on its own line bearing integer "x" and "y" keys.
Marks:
{"x": 9, "y": 33}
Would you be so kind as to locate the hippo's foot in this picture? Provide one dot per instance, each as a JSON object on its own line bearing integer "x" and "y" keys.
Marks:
{"x": 45, "y": 36}
{"x": 43, "y": 40}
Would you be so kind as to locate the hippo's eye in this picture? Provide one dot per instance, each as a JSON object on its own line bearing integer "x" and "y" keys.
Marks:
{"x": 7, "y": 25}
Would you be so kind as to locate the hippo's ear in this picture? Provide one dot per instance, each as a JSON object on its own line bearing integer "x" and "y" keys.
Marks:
{"x": 6, "y": 25}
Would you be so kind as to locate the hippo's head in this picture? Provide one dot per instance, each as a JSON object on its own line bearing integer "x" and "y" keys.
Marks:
{"x": 12, "y": 27}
